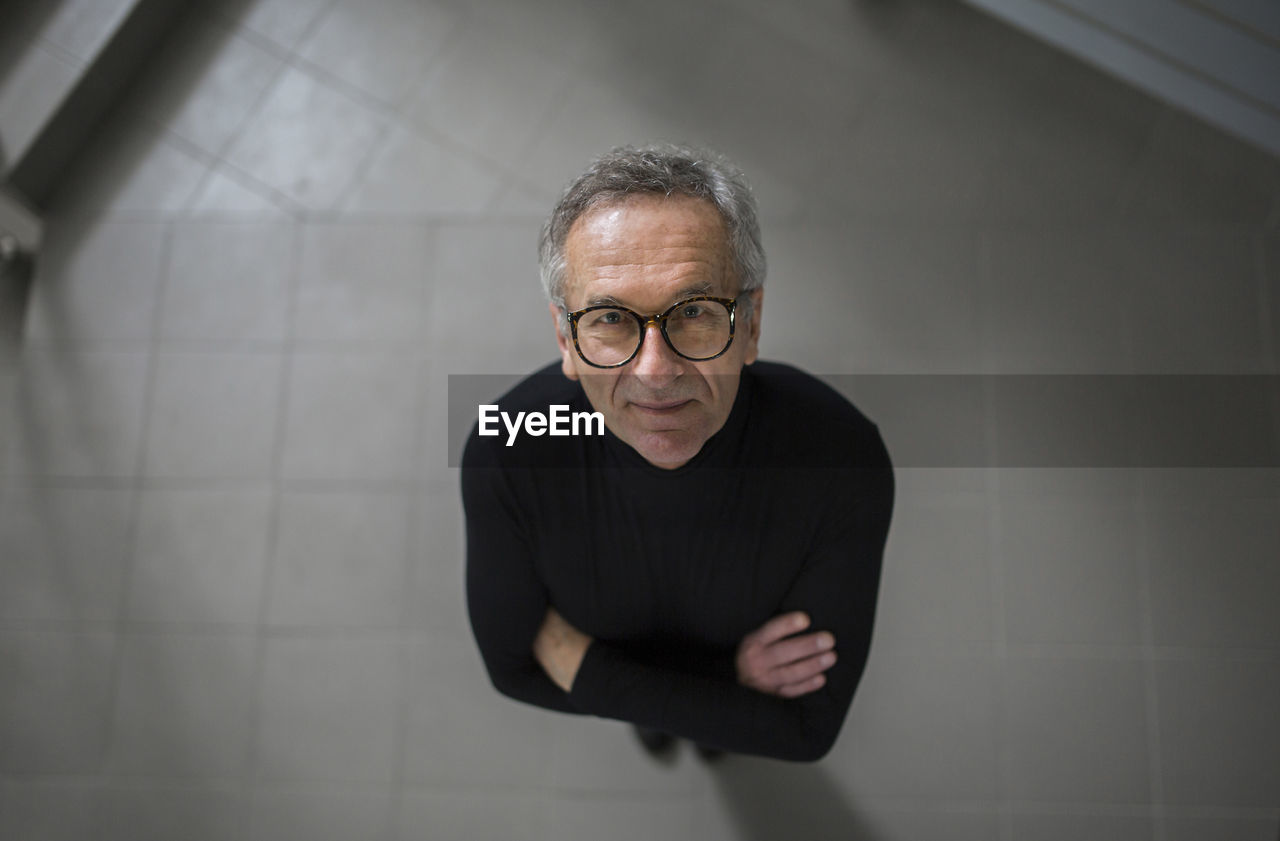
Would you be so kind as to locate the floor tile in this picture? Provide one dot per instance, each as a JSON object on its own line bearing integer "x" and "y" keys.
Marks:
{"x": 722, "y": 99}
{"x": 63, "y": 552}
{"x": 925, "y": 727}
{"x": 351, "y": 417}
{"x": 307, "y": 140}
{"x": 1212, "y": 567}
{"x": 889, "y": 824}
{"x": 621, "y": 818}
{"x": 1192, "y": 300}
{"x": 229, "y": 283}
{"x": 935, "y": 583}
{"x": 461, "y": 732}
{"x": 1192, "y": 171}
{"x": 327, "y": 710}
{"x": 488, "y": 92}
{"x": 500, "y": 263}
{"x": 1076, "y": 138}
{"x": 917, "y": 174}
{"x": 599, "y": 755}
{"x": 321, "y": 814}
{"x": 153, "y": 814}
{"x": 463, "y": 813}
{"x": 340, "y": 560}
{"x": 1182, "y": 828}
{"x": 381, "y": 47}
{"x": 564, "y": 31}
{"x": 893, "y": 298}
{"x": 1069, "y": 572}
{"x": 413, "y": 174}
{"x": 436, "y": 591}
{"x": 1048, "y": 304}
{"x": 200, "y": 555}
{"x": 758, "y": 798}
{"x": 78, "y": 413}
{"x": 1094, "y": 750}
{"x": 593, "y": 119}
{"x": 214, "y": 415}
{"x": 227, "y": 192}
{"x": 130, "y": 169}
{"x": 284, "y": 22}
{"x": 363, "y": 283}
{"x": 1048, "y": 826}
{"x": 47, "y": 809}
{"x": 204, "y": 83}
{"x": 1271, "y": 291}
{"x": 55, "y": 702}
{"x": 183, "y": 705}
{"x": 100, "y": 281}
{"x": 1219, "y": 737}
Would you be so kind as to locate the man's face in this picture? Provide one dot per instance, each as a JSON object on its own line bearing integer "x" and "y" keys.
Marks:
{"x": 647, "y": 253}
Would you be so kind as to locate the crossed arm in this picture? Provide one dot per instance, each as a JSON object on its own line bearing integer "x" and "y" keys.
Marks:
{"x": 775, "y": 658}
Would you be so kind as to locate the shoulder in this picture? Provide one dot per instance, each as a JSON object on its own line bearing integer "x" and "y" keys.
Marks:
{"x": 809, "y": 422}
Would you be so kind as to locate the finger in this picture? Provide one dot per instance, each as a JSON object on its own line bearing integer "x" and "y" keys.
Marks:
{"x": 803, "y": 670}
{"x": 779, "y": 627}
{"x": 790, "y": 650}
{"x": 795, "y": 690}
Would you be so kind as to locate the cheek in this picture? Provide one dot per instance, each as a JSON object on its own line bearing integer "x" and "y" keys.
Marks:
{"x": 600, "y": 389}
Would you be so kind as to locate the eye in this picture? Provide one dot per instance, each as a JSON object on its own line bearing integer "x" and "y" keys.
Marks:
{"x": 610, "y": 317}
{"x": 691, "y": 311}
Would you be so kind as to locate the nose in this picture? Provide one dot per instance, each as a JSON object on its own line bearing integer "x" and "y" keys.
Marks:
{"x": 656, "y": 363}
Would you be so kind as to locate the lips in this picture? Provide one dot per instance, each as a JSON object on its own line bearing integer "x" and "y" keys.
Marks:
{"x": 666, "y": 407}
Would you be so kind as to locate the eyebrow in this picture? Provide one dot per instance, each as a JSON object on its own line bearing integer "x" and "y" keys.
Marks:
{"x": 701, "y": 288}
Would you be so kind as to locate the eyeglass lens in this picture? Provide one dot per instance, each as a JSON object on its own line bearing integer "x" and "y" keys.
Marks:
{"x": 695, "y": 329}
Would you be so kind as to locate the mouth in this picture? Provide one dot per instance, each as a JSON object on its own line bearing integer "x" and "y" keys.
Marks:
{"x": 660, "y": 409}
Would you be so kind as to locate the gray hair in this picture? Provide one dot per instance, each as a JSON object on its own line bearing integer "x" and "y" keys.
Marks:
{"x": 661, "y": 169}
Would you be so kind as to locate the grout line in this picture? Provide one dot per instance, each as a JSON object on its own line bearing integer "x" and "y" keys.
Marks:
{"x": 1142, "y": 560}
{"x": 133, "y": 538}
{"x": 415, "y": 545}
{"x": 995, "y": 563}
{"x": 251, "y": 776}
{"x": 1271, "y": 353}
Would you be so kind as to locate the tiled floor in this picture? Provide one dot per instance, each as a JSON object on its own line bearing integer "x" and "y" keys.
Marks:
{"x": 230, "y": 543}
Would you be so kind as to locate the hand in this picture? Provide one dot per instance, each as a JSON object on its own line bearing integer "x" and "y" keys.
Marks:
{"x": 559, "y": 648}
{"x": 770, "y": 660}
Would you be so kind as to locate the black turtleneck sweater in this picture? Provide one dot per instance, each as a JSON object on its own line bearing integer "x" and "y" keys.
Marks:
{"x": 786, "y": 508}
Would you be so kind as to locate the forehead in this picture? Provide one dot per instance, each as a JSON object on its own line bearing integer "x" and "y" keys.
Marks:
{"x": 647, "y": 243}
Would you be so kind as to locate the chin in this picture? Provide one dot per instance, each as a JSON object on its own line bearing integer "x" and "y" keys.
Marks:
{"x": 667, "y": 449}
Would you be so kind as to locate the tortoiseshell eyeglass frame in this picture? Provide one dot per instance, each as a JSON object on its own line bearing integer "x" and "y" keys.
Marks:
{"x": 657, "y": 318}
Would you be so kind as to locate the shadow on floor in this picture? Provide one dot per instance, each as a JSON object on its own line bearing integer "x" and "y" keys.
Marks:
{"x": 15, "y": 287}
{"x": 770, "y": 800}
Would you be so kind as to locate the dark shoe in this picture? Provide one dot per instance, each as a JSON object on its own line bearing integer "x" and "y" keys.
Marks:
{"x": 709, "y": 754}
{"x": 655, "y": 742}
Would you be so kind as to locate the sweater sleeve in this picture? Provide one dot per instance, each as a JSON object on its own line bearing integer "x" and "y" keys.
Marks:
{"x": 506, "y": 599}
{"x": 837, "y": 586}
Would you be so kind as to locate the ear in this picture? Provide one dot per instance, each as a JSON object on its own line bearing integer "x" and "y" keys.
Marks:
{"x": 753, "y": 329}
{"x": 568, "y": 356}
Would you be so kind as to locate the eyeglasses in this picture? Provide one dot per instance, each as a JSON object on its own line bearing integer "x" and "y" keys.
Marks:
{"x": 698, "y": 329}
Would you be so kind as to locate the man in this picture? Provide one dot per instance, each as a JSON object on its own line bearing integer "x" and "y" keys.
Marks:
{"x": 694, "y": 569}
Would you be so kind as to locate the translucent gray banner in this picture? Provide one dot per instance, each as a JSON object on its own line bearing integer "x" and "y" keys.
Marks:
{"x": 1027, "y": 420}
